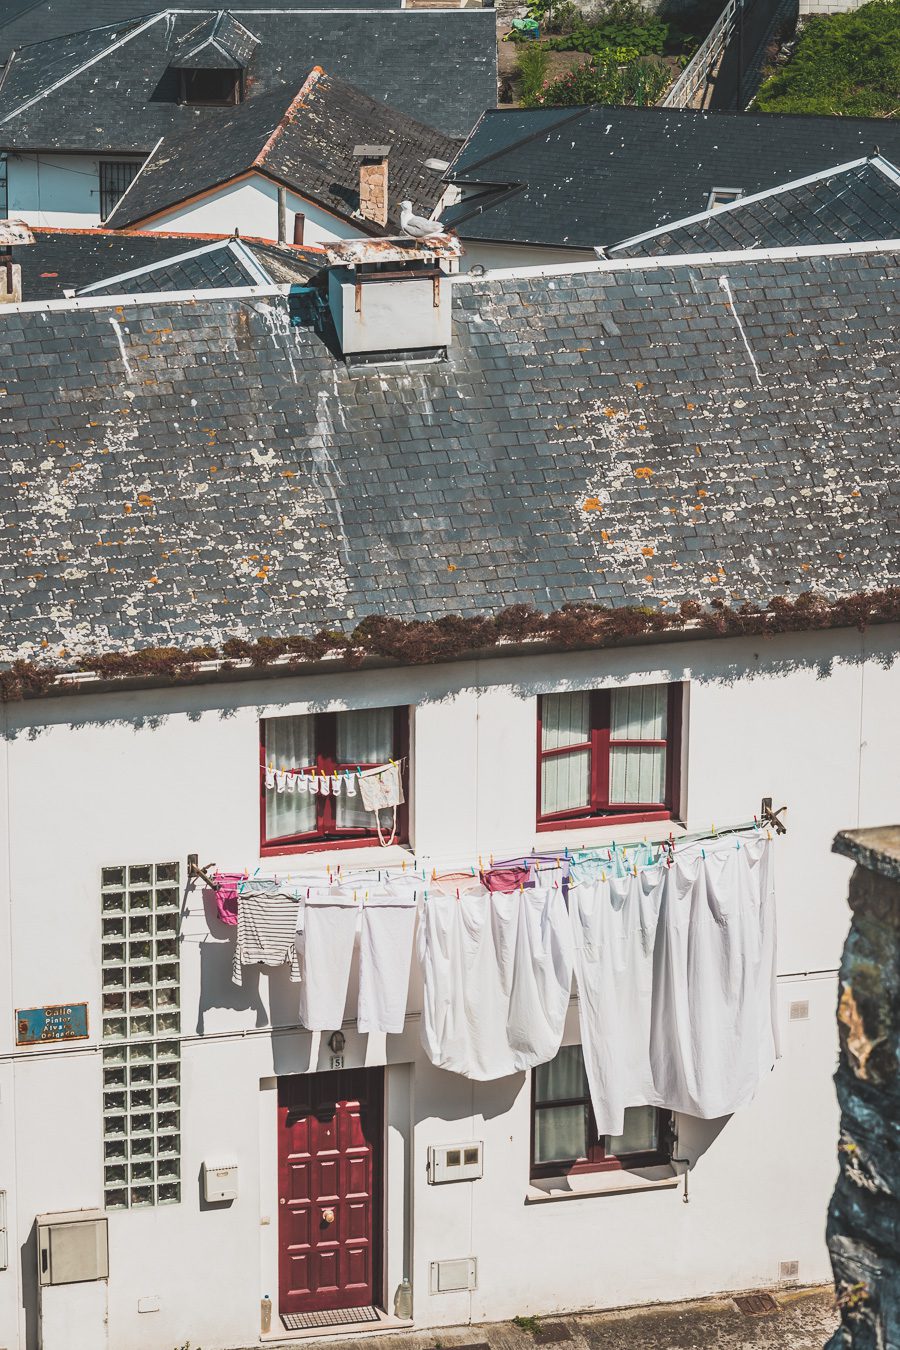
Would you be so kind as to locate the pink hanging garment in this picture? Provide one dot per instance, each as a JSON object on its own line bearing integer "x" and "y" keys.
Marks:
{"x": 227, "y": 896}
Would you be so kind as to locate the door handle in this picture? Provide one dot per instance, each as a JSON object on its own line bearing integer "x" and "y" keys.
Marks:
{"x": 328, "y": 1216}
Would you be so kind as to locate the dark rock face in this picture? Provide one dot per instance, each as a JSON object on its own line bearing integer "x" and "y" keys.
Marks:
{"x": 864, "y": 1217}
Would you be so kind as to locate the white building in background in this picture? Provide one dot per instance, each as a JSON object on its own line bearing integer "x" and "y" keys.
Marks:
{"x": 184, "y": 1114}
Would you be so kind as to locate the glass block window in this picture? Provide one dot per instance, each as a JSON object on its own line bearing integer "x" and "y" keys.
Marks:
{"x": 141, "y": 991}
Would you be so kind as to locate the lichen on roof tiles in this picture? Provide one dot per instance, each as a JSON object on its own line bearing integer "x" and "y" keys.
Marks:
{"x": 180, "y": 472}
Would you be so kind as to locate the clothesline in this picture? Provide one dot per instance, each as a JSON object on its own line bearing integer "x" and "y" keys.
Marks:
{"x": 643, "y": 853}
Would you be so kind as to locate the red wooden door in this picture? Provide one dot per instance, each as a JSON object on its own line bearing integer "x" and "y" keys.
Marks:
{"x": 329, "y": 1183}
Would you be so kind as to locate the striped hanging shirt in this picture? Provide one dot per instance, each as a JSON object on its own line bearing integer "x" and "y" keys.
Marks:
{"x": 265, "y": 934}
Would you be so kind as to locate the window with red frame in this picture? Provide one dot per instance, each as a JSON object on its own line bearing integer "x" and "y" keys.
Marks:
{"x": 564, "y": 1132}
{"x": 325, "y": 743}
{"x": 609, "y": 754}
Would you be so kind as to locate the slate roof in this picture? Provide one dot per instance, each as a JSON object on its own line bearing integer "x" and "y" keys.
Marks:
{"x": 585, "y": 177}
{"x": 70, "y": 260}
{"x": 113, "y": 90}
{"x": 218, "y": 42}
{"x": 24, "y": 22}
{"x": 230, "y": 262}
{"x": 175, "y": 472}
{"x": 852, "y": 203}
{"x": 305, "y": 140}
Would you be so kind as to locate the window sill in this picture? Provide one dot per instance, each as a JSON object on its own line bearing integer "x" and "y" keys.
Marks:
{"x": 619, "y": 1182}
{"x": 592, "y": 833}
{"x": 366, "y": 852}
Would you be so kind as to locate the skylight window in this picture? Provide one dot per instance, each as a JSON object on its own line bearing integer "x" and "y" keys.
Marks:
{"x": 721, "y": 196}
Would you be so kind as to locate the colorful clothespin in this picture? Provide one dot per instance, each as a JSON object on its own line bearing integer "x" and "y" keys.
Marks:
{"x": 703, "y": 854}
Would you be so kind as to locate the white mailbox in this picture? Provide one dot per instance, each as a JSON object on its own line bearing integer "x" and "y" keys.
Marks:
{"x": 455, "y": 1162}
{"x": 220, "y": 1182}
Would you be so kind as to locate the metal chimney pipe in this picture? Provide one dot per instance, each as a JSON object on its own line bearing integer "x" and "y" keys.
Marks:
{"x": 299, "y": 226}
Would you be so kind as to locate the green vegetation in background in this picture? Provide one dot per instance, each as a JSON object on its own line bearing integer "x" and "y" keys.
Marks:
{"x": 531, "y": 64}
{"x": 844, "y": 64}
{"x": 605, "y": 81}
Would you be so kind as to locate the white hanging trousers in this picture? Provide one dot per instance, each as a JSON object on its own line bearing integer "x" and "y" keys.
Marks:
{"x": 385, "y": 955}
{"x": 326, "y": 932}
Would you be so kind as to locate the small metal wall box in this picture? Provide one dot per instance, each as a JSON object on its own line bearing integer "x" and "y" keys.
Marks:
{"x": 455, "y": 1162}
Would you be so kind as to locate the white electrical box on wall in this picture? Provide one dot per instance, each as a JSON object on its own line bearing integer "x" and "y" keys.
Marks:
{"x": 72, "y": 1247}
{"x": 454, "y": 1277}
{"x": 455, "y": 1162}
{"x": 220, "y": 1182}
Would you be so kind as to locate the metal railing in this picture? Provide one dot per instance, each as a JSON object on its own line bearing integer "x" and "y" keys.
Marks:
{"x": 703, "y": 63}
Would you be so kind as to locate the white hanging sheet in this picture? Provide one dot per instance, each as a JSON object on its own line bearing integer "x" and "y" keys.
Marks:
{"x": 675, "y": 968}
{"x": 497, "y": 975}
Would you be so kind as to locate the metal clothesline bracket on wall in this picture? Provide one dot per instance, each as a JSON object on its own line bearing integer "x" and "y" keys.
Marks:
{"x": 770, "y": 817}
{"x": 195, "y": 870}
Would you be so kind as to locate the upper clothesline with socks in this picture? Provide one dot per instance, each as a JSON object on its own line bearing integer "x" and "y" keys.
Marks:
{"x": 384, "y": 777}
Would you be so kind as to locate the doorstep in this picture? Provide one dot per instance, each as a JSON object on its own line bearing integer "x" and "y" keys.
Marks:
{"x": 337, "y": 1331}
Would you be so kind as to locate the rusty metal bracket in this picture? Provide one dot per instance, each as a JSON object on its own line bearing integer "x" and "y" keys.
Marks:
{"x": 195, "y": 870}
{"x": 770, "y": 817}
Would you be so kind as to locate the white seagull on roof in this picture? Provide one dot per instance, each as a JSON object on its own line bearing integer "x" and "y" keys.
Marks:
{"x": 417, "y": 227}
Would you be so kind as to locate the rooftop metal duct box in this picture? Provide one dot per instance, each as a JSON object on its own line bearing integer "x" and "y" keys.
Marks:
{"x": 388, "y": 310}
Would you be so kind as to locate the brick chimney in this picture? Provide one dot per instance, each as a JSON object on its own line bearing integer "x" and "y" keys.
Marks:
{"x": 373, "y": 182}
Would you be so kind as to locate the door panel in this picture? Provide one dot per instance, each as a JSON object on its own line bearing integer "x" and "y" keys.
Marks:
{"x": 329, "y": 1168}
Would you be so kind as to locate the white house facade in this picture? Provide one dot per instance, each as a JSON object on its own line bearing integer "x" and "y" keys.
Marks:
{"x": 141, "y": 780}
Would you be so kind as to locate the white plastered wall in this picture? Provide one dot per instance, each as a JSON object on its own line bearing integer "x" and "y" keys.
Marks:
{"x": 153, "y": 775}
{"x": 250, "y": 206}
{"x": 62, "y": 190}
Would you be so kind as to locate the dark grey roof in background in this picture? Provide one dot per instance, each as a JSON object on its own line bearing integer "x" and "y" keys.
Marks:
{"x": 23, "y": 22}
{"x": 222, "y": 264}
{"x": 69, "y": 260}
{"x": 304, "y": 139}
{"x": 853, "y": 205}
{"x": 178, "y": 472}
{"x": 125, "y": 100}
{"x": 595, "y": 176}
